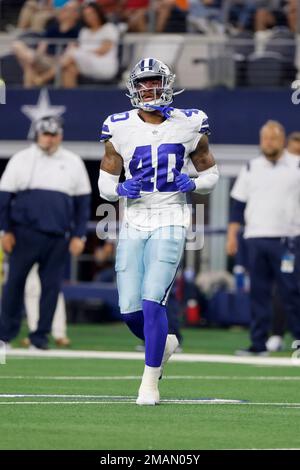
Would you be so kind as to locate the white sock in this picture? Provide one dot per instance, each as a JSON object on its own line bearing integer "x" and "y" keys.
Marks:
{"x": 170, "y": 347}
{"x": 150, "y": 377}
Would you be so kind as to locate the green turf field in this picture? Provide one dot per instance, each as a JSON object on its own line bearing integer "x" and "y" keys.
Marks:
{"x": 89, "y": 403}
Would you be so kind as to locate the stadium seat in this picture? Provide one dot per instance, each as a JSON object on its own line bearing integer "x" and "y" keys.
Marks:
{"x": 11, "y": 71}
{"x": 229, "y": 308}
{"x": 94, "y": 82}
{"x": 87, "y": 298}
{"x": 241, "y": 46}
{"x": 111, "y": 82}
{"x": 164, "y": 47}
{"x": 266, "y": 70}
{"x": 283, "y": 42}
{"x": 221, "y": 67}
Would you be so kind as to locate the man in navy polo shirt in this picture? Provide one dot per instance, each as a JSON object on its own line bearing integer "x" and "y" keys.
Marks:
{"x": 266, "y": 199}
{"x": 44, "y": 209}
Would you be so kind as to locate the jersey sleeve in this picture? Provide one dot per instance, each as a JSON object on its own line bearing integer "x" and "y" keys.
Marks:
{"x": 204, "y": 125}
{"x": 106, "y": 131}
{"x": 200, "y": 127}
{"x": 110, "y": 132}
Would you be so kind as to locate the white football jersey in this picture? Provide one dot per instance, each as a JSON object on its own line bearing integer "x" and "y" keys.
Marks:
{"x": 152, "y": 151}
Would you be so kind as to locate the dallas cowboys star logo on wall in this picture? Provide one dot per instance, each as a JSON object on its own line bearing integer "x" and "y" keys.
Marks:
{"x": 41, "y": 109}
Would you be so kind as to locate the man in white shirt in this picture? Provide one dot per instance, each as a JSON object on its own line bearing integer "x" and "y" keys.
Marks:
{"x": 266, "y": 199}
{"x": 44, "y": 209}
{"x": 275, "y": 342}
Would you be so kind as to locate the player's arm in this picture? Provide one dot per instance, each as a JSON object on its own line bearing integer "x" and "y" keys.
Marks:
{"x": 206, "y": 168}
{"x": 205, "y": 165}
{"x": 202, "y": 158}
{"x": 110, "y": 170}
{"x": 112, "y": 162}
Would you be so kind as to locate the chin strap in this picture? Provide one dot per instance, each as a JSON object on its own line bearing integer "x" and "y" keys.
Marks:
{"x": 164, "y": 110}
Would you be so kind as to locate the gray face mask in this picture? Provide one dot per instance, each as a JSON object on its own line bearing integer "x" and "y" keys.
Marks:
{"x": 151, "y": 68}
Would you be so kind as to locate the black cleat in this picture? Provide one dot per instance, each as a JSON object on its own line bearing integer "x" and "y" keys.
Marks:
{"x": 251, "y": 351}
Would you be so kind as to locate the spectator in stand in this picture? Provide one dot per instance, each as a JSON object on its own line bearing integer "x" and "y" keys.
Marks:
{"x": 269, "y": 14}
{"x": 205, "y": 14}
{"x": 9, "y": 13}
{"x": 257, "y": 15}
{"x": 59, "y": 3}
{"x": 267, "y": 19}
{"x": 35, "y": 14}
{"x": 134, "y": 13}
{"x": 111, "y": 8}
{"x": 292, "y": 13}
{"x": 96, "y": 55}
{"x": 40, "y": 64}
{"x": 171, "y": 16}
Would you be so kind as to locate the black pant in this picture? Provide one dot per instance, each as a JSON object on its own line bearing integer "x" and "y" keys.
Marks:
{"x": 265, "y": 256}
{"x": 50, "y": 252}
{"x": 279, "y": 316}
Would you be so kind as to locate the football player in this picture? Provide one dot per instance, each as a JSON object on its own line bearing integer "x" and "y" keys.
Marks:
{"x": 153, "y": 142}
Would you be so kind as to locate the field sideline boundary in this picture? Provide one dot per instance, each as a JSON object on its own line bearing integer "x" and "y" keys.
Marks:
{"x": 185, "y": 357}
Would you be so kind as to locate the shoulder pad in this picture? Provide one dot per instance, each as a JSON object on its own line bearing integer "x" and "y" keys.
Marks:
{"x": 110, "y": 124}
{"x": 198, "y": 120}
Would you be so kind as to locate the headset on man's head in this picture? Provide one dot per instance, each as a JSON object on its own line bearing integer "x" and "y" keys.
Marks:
{"x": 48, "y": 125}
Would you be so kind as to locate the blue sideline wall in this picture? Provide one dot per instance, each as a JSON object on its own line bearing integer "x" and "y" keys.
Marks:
{"x": 235, "y": 115}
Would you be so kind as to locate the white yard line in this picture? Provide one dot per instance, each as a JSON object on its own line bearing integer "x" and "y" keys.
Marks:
{"x": 64, "y": 402}
{"x": 215, "y": 358}
{"x": 138, "y": 377}
{"x": 105, "y": 399}
{"x": 53, "y": 395}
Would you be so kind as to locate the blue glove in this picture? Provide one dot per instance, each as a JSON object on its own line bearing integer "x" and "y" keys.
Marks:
{"x": 183, "y": 182}
{"x": 130, "y": 188}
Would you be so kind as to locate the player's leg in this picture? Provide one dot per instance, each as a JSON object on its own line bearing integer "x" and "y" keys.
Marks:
{"x": 130, "y": 272}
{"x": 162, "y": 255}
